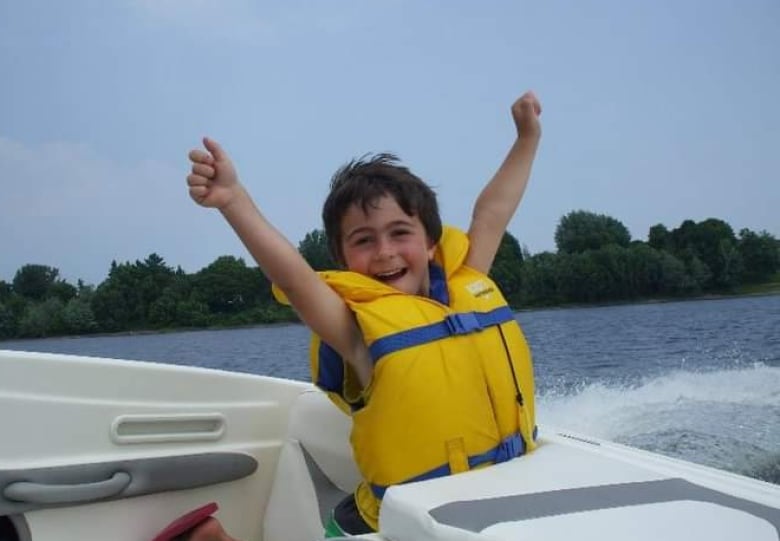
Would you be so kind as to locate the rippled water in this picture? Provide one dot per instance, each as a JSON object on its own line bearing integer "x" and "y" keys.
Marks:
{"x": 695, "y": 380}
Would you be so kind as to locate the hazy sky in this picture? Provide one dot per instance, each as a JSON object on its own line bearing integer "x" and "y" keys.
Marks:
{"x": 654, "y": 112}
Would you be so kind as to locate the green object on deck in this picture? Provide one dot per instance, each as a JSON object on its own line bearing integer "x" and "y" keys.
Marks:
{"x": 332, "y": 529}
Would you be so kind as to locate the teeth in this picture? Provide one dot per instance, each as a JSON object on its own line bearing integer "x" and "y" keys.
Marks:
{"x": 389, "y": 273}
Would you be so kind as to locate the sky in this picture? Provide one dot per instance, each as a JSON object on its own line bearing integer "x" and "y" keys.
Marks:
{"x": 653, "y": 112}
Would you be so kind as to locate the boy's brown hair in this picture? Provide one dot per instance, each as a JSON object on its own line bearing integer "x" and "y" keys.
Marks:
{"x": 363, "y": 181}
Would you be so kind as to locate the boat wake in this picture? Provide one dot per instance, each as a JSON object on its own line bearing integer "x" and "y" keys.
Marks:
{"x": 727, "y": 419}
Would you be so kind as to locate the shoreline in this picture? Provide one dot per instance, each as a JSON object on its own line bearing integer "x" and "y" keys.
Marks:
{"x": 573, "y": 306}
{"x": 666, "y": 300}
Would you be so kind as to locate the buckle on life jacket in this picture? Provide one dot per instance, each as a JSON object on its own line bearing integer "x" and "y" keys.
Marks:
{"x": 462, "y": 323}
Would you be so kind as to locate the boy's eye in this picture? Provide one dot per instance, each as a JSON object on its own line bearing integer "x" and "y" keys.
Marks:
{"x": 401, "y": 232}
{"x": 361, "y": 241}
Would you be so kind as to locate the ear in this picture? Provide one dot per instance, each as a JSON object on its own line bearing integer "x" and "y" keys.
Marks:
{"x": 431, "y": 249}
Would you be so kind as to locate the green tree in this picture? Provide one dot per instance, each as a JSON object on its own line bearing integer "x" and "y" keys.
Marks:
{"x": 654, "y": 272}
{"x": 162, "y": 311}
{"x": 117, "y": 302}
{"x": 674, "y": 279}
{"x": 7, "y": 323}
{"x": 124, "y": 299}
{"x": 644, "y": 270}
{"x": 582, "y": 230}
{"x": 263, "y": 285}
{"x": 155, "y": 276}
{"x": 17, "y": 306}
{"x": 228, "y": 286}
{"x": 713, "y": 243}
{"x": 684, "y": 237}
{"x": 192, "y": 313}
{"x": 33, "y": 281}
{"x": 42, "y": 319}
{"x": 539, "y": 280}
{"x": 314, "y": 249}
{"x": 77, "y": 317}
{"x": 570, "y": 276}
{"x": 62, "y": 290}
{"x": 760, "y": 254}
{"x": 584, "y": 277}
{"x": 506, "y": 268}
{"x": 660, "y": 238}
{"x": 85, "y": 292}
{"x": 699, "y": 274}
{"x": 731, "y": 269}
{"x": 623, "y": 276}
{"x": 6, "y": 290}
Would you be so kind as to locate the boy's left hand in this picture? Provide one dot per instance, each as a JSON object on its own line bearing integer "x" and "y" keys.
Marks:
{"x": 525, "y": 112}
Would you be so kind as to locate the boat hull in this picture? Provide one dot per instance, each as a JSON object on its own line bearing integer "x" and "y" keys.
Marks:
{"x": 98, "y": 449}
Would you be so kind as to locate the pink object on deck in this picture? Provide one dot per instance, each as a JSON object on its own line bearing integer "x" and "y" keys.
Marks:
{"x": 186, "y": 522}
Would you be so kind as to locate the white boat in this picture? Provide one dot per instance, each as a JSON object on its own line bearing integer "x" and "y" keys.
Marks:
{"x": 97, "y": 449}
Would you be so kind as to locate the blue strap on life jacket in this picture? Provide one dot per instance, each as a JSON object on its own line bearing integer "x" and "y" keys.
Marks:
{"x": 331, "y": 367}
{"x": 438, "y": 284}
{"x": 511, "y": 447}
{"x": 330, "y": 377}
{"x": 452, "y": 325}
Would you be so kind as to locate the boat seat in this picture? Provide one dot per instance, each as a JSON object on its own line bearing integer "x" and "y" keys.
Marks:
{"x": 577, "y": 488}
{"x": 314, "y": 472}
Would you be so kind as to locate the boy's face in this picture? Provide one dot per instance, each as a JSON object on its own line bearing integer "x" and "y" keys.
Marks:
{"x": 387, "y": 245}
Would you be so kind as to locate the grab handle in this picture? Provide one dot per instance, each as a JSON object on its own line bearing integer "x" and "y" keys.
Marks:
{"x": 39, "y": 493}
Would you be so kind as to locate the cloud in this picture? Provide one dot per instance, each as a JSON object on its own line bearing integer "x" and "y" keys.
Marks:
{"x": 63, "y": 179}
{"x": 67, "y": 206}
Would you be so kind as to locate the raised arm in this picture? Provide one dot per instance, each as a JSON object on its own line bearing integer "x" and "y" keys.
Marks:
{"x": 214, "y": 183}
{"x": 498, "y": 201}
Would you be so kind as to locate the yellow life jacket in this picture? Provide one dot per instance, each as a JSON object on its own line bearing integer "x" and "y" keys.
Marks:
{"x": 452, "y": 387}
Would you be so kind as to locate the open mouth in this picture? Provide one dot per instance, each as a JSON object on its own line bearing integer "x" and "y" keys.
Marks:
{"x": 390, "y": 276}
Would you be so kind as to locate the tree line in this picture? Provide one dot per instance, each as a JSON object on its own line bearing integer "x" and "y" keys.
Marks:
{"x": 596, "y": 261}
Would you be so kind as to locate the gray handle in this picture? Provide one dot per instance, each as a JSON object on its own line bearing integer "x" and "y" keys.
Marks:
{"x": 39, "y": 493}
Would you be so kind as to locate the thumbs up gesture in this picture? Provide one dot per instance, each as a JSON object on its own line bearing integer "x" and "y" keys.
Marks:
{"x": 213, "y": 181}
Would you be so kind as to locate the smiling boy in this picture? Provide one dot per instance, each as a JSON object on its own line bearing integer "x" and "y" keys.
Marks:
{"x": 436, "y": 372}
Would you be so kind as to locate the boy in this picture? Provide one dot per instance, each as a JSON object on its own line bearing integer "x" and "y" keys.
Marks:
{"x": 434, "y": 369}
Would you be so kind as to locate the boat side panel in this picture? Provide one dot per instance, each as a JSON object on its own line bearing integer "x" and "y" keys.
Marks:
{"x": 64, "y": 413}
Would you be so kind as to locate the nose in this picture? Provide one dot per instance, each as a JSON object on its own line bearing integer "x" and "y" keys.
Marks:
{"x": 384, "y": 249}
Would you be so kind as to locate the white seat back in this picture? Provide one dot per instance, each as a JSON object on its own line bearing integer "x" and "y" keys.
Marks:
{"x": 315, "y": 470}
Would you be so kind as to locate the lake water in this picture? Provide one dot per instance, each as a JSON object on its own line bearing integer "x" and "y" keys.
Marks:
{"x": 696, "y": 380}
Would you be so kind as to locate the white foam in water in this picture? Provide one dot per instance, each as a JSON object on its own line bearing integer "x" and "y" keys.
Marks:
{"x": 725, "y": 418}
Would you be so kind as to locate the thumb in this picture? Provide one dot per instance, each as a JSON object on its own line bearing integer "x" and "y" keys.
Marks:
{"x": 215, "y": 149}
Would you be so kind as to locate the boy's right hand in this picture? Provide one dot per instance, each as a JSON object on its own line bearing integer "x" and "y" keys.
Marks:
{"x": 213, "y": 181}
